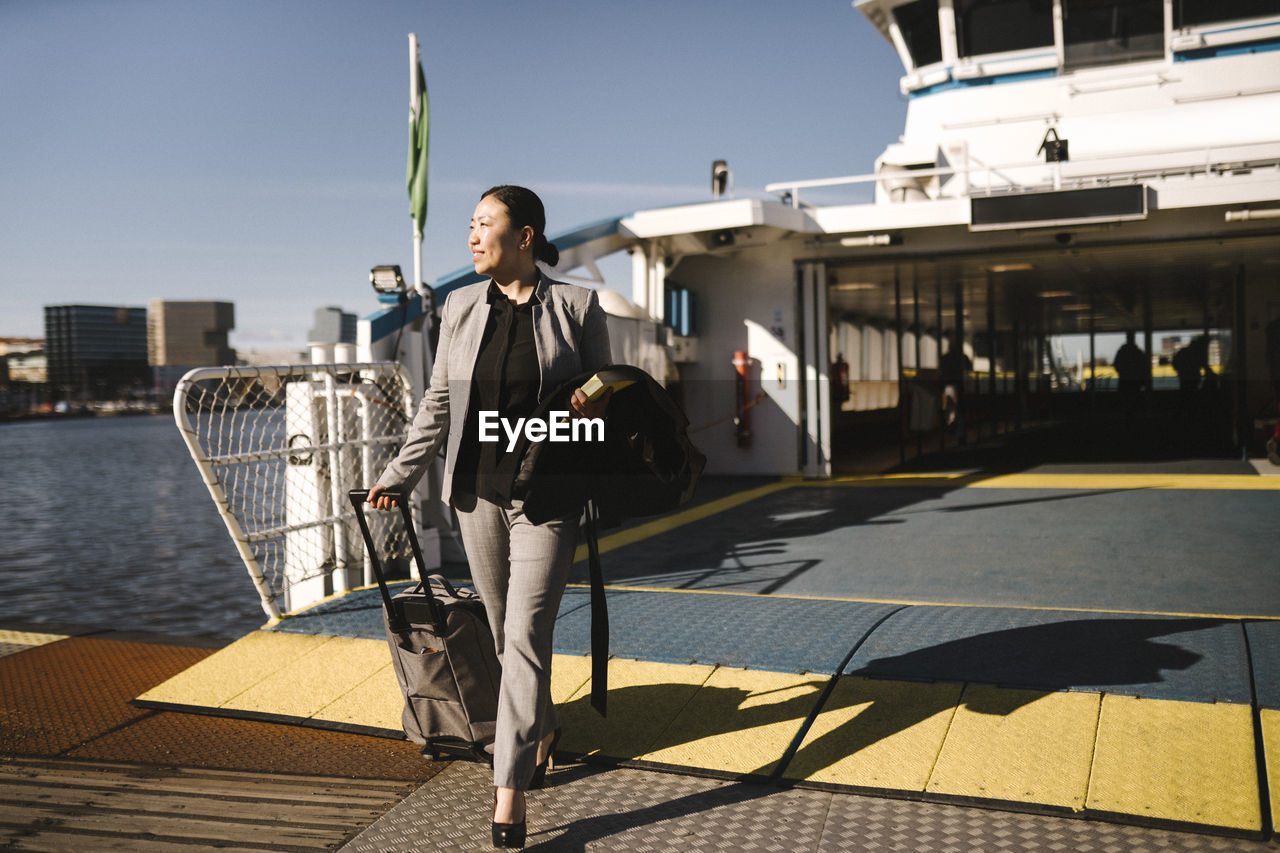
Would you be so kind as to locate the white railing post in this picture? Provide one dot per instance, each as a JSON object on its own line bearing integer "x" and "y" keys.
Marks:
{"x": 334, "y": 431}
{"x": 366, "y": 465}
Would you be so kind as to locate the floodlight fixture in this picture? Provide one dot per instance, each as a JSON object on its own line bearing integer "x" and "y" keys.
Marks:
{"x": 387, "y": 279}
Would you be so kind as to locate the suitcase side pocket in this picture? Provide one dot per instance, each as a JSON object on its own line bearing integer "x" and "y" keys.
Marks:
{"x": 425, "y": 665}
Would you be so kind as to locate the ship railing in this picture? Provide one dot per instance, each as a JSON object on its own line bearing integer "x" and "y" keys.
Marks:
{"x": 979, "y": 178}
{"x": 278, "y": 448}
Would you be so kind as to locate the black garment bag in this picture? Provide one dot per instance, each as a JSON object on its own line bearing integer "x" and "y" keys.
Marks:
{"x": 646, "y": 465}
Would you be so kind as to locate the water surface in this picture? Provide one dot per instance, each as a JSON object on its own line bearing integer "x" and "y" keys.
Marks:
{"x": 105, "y": 522}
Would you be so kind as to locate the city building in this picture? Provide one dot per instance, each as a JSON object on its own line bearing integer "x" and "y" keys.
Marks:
{"x": 9, "y": 346}
{"x": 22, "y": 360}
{"x": 333, "y": 326}
{"x": 182, "y": 334}
{"x": 29, "y": 367}
{"x": 96, "y": 352}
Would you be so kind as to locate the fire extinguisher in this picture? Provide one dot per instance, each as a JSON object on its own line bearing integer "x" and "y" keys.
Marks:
{"x": 742, "y": 421}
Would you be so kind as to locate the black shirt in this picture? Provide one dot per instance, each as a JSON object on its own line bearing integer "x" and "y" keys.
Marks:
{"x": 505, "y": 381}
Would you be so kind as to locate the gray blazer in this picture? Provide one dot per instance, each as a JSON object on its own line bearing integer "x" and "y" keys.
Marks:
{"x": 569, "y": 334}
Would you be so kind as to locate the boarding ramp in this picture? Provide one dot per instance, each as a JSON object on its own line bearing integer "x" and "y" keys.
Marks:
{"x": 278, "y": 449}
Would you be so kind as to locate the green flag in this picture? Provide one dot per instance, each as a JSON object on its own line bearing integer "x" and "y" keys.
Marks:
{"x": 419, "y": 132}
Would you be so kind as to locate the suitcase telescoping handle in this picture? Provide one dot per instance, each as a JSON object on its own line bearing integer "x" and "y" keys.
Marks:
{"x": 358, "y": 498}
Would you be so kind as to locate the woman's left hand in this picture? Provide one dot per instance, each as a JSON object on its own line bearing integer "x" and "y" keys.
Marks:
{"x": 584, "y": 408}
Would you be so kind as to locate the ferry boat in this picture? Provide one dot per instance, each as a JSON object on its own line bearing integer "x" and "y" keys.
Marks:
{"x": 1066, "y": 167}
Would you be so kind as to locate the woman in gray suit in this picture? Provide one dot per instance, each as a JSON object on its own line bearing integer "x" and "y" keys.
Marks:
{"x": 505, "y": 344}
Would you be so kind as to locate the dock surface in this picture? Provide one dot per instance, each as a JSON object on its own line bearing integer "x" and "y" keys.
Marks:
{"x": 1083, "y": 660}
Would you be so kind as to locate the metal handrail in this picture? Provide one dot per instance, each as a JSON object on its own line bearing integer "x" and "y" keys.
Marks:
{"x": 1205, "y": 163}
{"x": 229, "y": 397}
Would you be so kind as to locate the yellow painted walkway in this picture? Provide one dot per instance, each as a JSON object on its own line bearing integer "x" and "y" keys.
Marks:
{"x": 1152, "y": 761}
{"x": 1159, "y": 761}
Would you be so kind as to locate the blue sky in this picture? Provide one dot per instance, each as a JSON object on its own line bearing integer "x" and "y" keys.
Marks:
{"x": 254, "y": 151}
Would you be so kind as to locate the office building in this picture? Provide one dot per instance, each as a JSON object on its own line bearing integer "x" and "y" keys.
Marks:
{"x": 96, "y": 352}
{"x": 333, "y": 326}
{"x": 182, "y": 334}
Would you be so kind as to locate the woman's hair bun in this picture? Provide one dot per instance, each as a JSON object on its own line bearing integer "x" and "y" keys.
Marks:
{"x": 544, "y": 250}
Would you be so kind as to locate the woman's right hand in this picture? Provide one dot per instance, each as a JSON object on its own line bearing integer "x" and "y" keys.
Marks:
{"x": 379, "y": 500}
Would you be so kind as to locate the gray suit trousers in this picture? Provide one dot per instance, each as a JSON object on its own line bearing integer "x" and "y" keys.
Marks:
{"x": 520, "y": 570}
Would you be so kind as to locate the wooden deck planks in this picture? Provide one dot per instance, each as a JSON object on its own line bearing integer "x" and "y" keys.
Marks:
{"x": 77, "y": 805}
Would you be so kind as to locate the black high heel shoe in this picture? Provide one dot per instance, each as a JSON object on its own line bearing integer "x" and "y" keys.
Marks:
{"x": 540, "y": 771}
{"x": 508, "y": 836}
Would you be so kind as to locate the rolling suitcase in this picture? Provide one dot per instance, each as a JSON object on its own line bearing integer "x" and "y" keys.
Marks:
{"x": 443, "y": 654}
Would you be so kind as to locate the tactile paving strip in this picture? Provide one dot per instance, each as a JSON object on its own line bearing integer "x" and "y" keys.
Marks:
{"x": 356, "y": 614}
{"x": 773, "y": 633}
{"x": 780, "y": 537}
{"x": 12, "y": 642}
{"x": 1201, "y": 660}
{"x": 332, "y": 682}
{"x": 1264, "y": 650}
{"x": 757, "y": 631}
{"x": 587, "y": 808}
{"x": 1023, "y": 746}
{"x": 1190, "y": 762}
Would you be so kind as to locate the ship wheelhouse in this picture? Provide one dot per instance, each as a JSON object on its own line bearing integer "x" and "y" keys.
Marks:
{"x": 973, "y": 42}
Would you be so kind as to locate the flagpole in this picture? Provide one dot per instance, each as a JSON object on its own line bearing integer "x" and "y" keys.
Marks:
{"x": 413, "y": 227}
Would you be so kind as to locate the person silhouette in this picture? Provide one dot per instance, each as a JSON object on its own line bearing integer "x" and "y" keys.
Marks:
{"x": 953, "y": 367}
{"x": 1133, "y": 372}
{"x": 1188, "y": 363}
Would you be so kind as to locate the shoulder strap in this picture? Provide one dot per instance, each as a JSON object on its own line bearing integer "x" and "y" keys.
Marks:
{"x": 599, "y": 616}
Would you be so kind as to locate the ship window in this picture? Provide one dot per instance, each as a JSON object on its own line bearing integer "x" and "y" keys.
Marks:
{"x": 1097, "y": 32}
{"x": 918, "y": 22}
{"x": 996, "y": 26}
{"x": 1190, "y": 13}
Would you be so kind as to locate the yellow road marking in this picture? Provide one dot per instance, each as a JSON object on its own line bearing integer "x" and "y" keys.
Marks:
{"x": 877, "y": 734}
{"x": 1271, "y": 750}
{"x": 1183, "y": 761}
{"x": 1028, "y": 746}
{"x": 738, "y": 721}
{"x": 644, "y": 697}
{"x": 907, "y": 602}
{"x": 679, "y": 519}
{"x": 1229, "y": 482}
{"x": 29, "y": 638}
{"x": 308, "y": 683}
{"x": 376, "y": 701}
